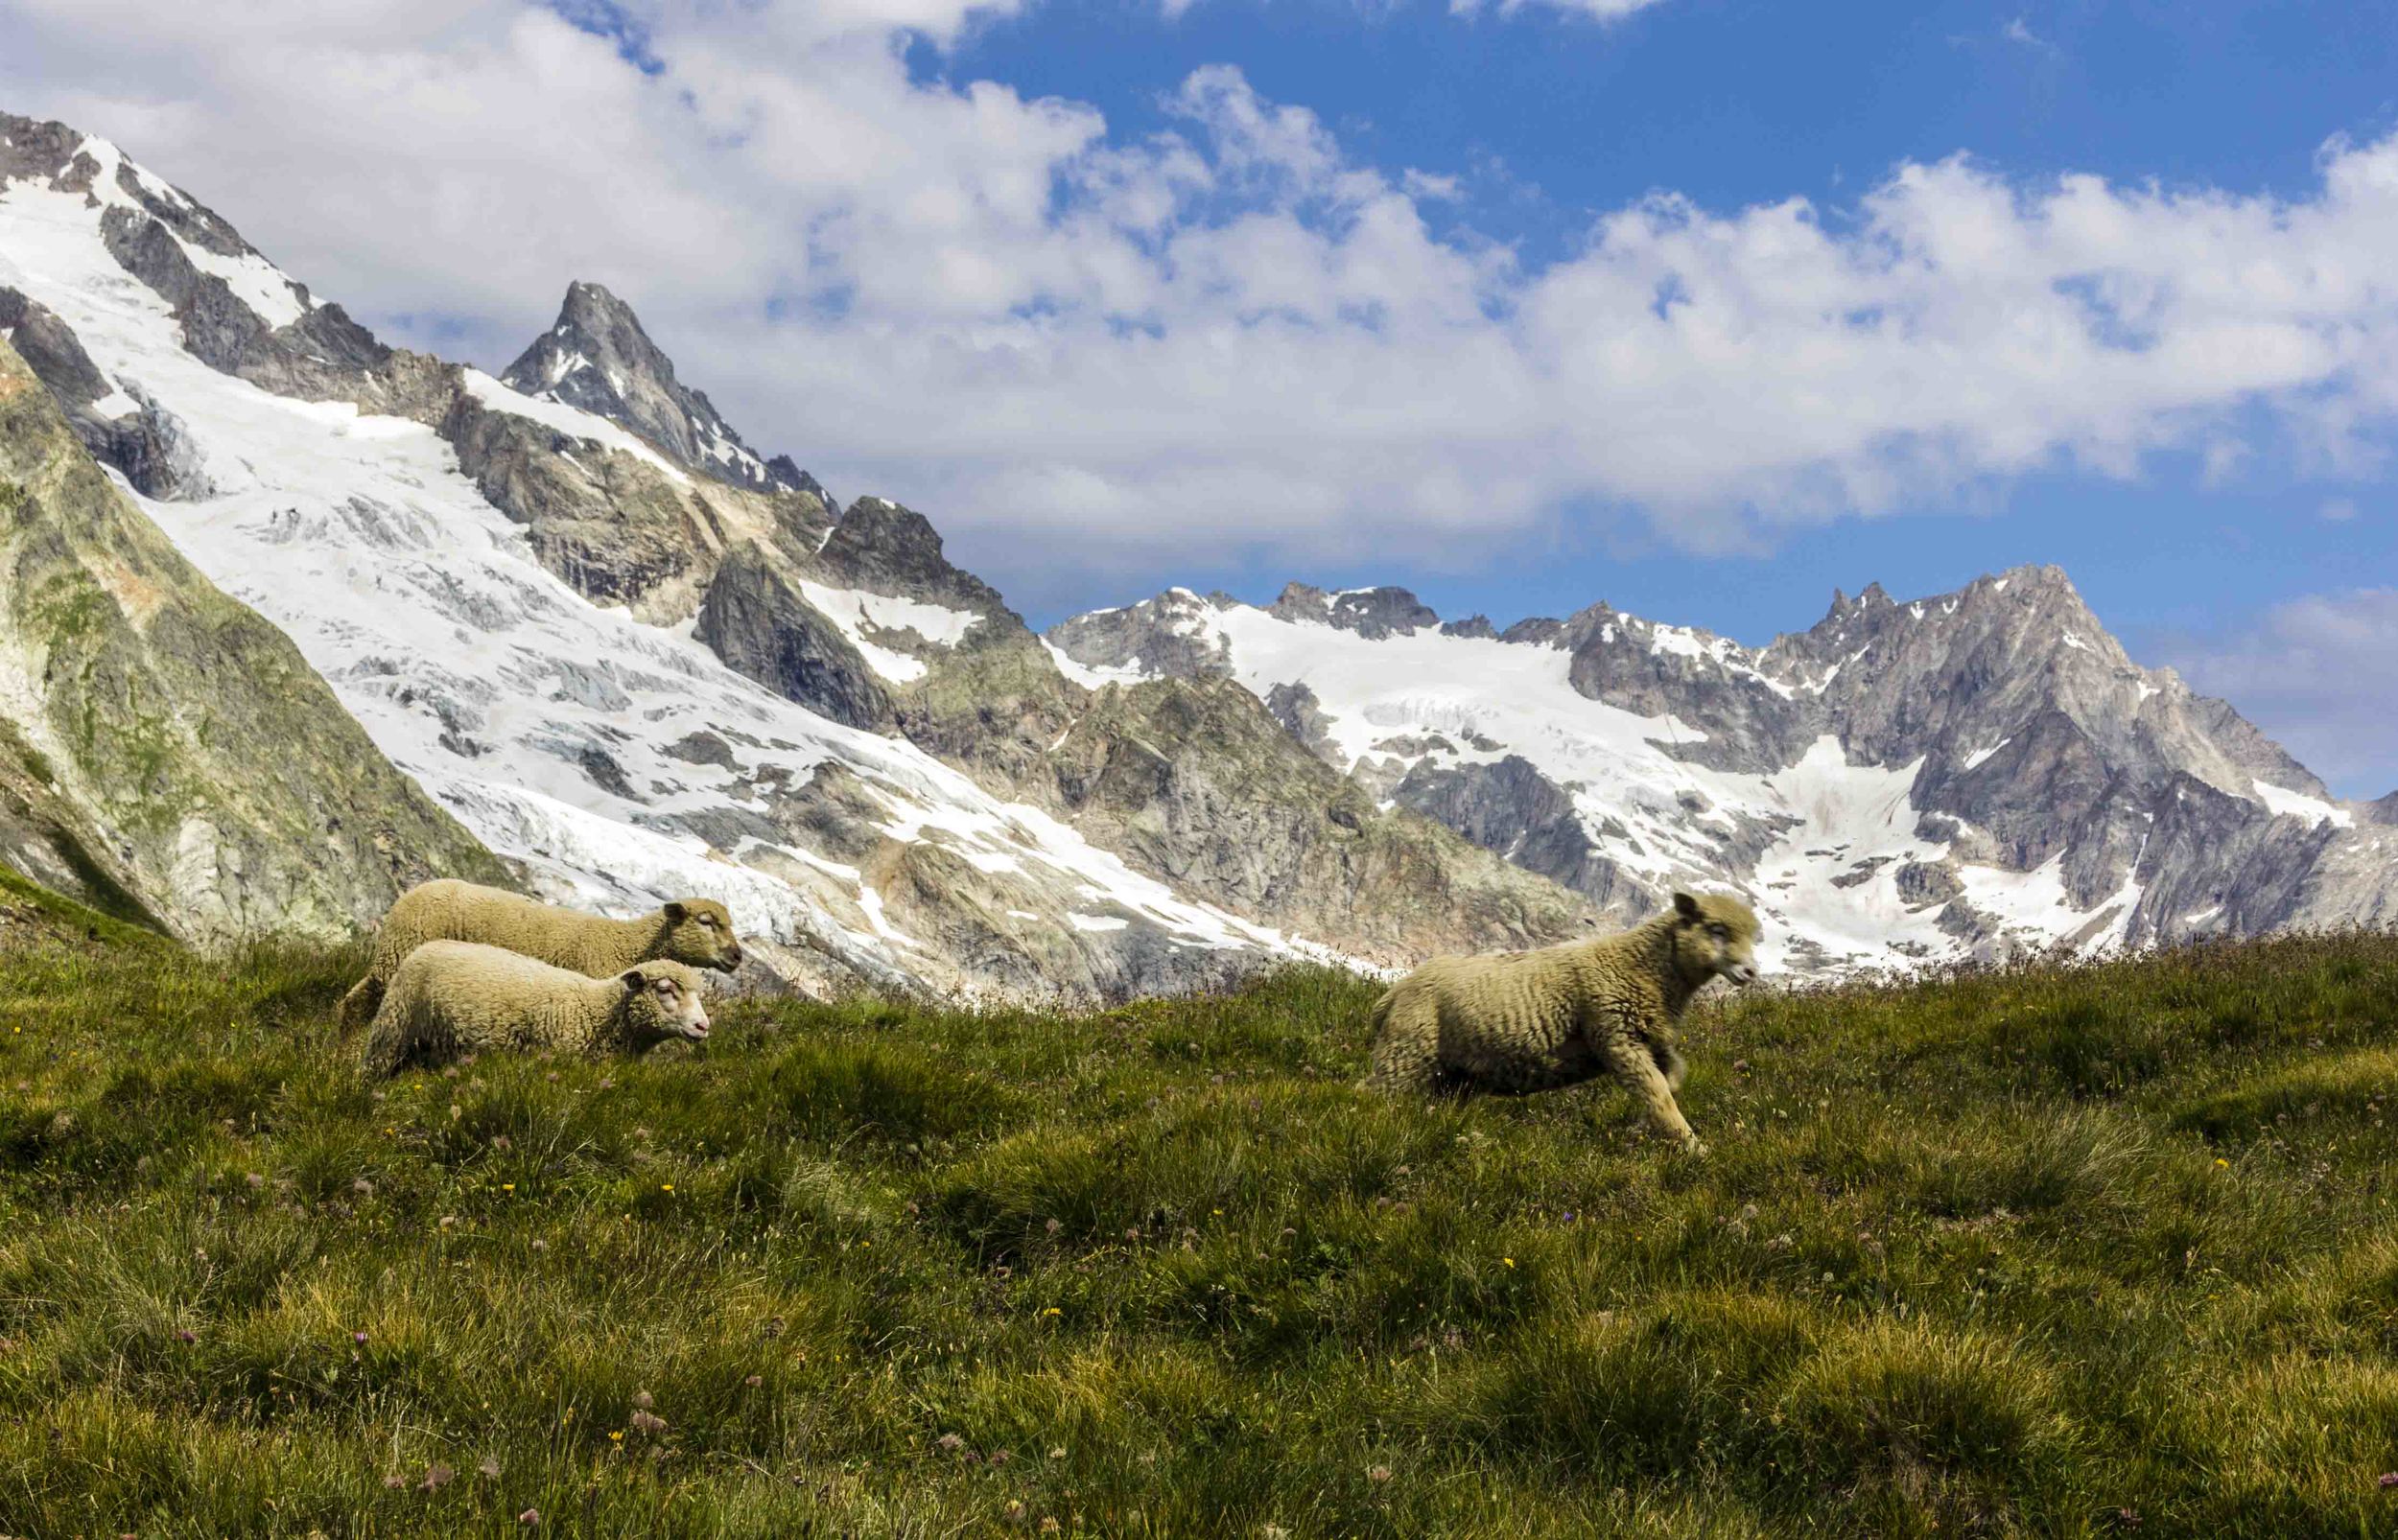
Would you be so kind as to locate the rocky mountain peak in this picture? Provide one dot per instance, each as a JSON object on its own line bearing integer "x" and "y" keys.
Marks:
{"x": 883, "y": 546}
{"x": 1170, "y": 636}
{"x": 597, "y": 358}
{"x": 1372, "y": 613}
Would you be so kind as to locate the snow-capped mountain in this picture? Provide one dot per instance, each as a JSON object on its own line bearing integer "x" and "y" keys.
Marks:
{"x": 1904, "y": 781}
{"x": 636, "y": 660}
{"x": 635, "y": 664}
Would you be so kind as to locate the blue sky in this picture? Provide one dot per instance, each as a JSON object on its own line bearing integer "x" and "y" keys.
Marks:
{"x": 1550, "y": 118}
{"x": 1704, "y": 307}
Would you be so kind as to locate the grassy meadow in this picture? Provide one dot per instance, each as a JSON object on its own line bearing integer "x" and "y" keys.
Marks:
{"x": 2053, "y": 1250}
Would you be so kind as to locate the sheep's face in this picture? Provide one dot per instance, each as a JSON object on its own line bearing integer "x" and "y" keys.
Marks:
{"x": 699, "y": 932}
{"x": 1717, "y": 937}
{"x": 662, "y": 999}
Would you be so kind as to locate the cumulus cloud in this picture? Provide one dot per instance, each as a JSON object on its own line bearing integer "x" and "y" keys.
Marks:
{"x": 2314, "y": 674}
{"x": 1230, "y": 336}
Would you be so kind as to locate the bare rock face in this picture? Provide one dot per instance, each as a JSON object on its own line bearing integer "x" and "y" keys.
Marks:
{"x": 597, "y": 358}
{"x": 1166, "y": 637}
{"x": 1743, "y": 720}
{"x": 757, "y": 620}
{"x": 1195, "y": 782}
{"x": 1372, "y": 613}
{"x": 321, "y": 356}
{"x": 50, "y": 348}
{"x": 1296, "y": 708}
{"x": 118, "y": 423}
{"x": 1536, "y": 630}
{"x": 616, "y": 530}
{"x": 1508, "y": 807}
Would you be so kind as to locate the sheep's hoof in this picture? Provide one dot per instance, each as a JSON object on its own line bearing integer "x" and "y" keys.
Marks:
{"x": 1694, "y": 1146}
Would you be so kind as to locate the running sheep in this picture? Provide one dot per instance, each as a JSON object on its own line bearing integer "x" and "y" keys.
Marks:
{"x": 453, "y": 998}
{"x": 1515, "y": 1022}
{"x": 697, "y": 931}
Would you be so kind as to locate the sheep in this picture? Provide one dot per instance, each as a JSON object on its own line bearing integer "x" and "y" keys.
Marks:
{"x": 1515, "y": 1022}
{"x": 697, "y": 931}
{"x": 449, "y": 997}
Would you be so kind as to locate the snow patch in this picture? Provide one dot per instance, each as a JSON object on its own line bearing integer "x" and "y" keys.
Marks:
{"x": 855, "y": 613}
{"x": 1091, "y": 676}
{"x": 2283, "y": 802}
{"x": 573, "y": 421}
{"x": 254, "y": 281}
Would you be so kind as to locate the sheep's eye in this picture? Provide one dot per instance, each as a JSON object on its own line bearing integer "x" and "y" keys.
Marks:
{"x": 1718, "y": 932}
{"x": 709, "y": 921}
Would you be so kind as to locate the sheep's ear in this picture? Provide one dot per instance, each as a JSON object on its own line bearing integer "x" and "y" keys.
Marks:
{"x": 674, "y": 911}
{"x": 1686, "y": 905}
{"x": 632, "y": 978}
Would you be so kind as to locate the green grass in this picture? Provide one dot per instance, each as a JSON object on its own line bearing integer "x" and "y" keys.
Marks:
{"x": 2019, "y": 1253}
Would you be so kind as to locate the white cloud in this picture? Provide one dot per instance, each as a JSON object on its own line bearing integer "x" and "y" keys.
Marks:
{"x": 2019, "y": 31}
{"x": 2314, "y": 674}
{"x": 1429, "y": 187}
{"x": 1596, "y": 10}
{"x": 1231, "y": 337}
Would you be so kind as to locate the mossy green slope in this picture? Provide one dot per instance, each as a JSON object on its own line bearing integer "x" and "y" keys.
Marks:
{"x": 169, "y": 749}
{"x": 2046, "y": 1251}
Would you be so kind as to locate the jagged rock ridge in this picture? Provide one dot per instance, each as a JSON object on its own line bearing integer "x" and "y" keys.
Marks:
{"x": 597, "y": 358}
{"x": 1946, "y": 777}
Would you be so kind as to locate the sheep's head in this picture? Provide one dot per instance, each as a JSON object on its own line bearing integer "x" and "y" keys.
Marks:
{"x": 699, "y": 932}
{"x": 1715, "y": 937}
{"x": 662, "y": 1000}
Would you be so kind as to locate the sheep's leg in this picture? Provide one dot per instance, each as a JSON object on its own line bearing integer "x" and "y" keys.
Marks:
{"x": 1634, "y": 1064}
{"x": 1669, "y": 1063}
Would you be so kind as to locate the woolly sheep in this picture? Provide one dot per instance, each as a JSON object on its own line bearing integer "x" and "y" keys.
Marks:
{"x": 697, "y": 931}
{"x": 449, "y": 997}
{"x": 1515, "y": 1022}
